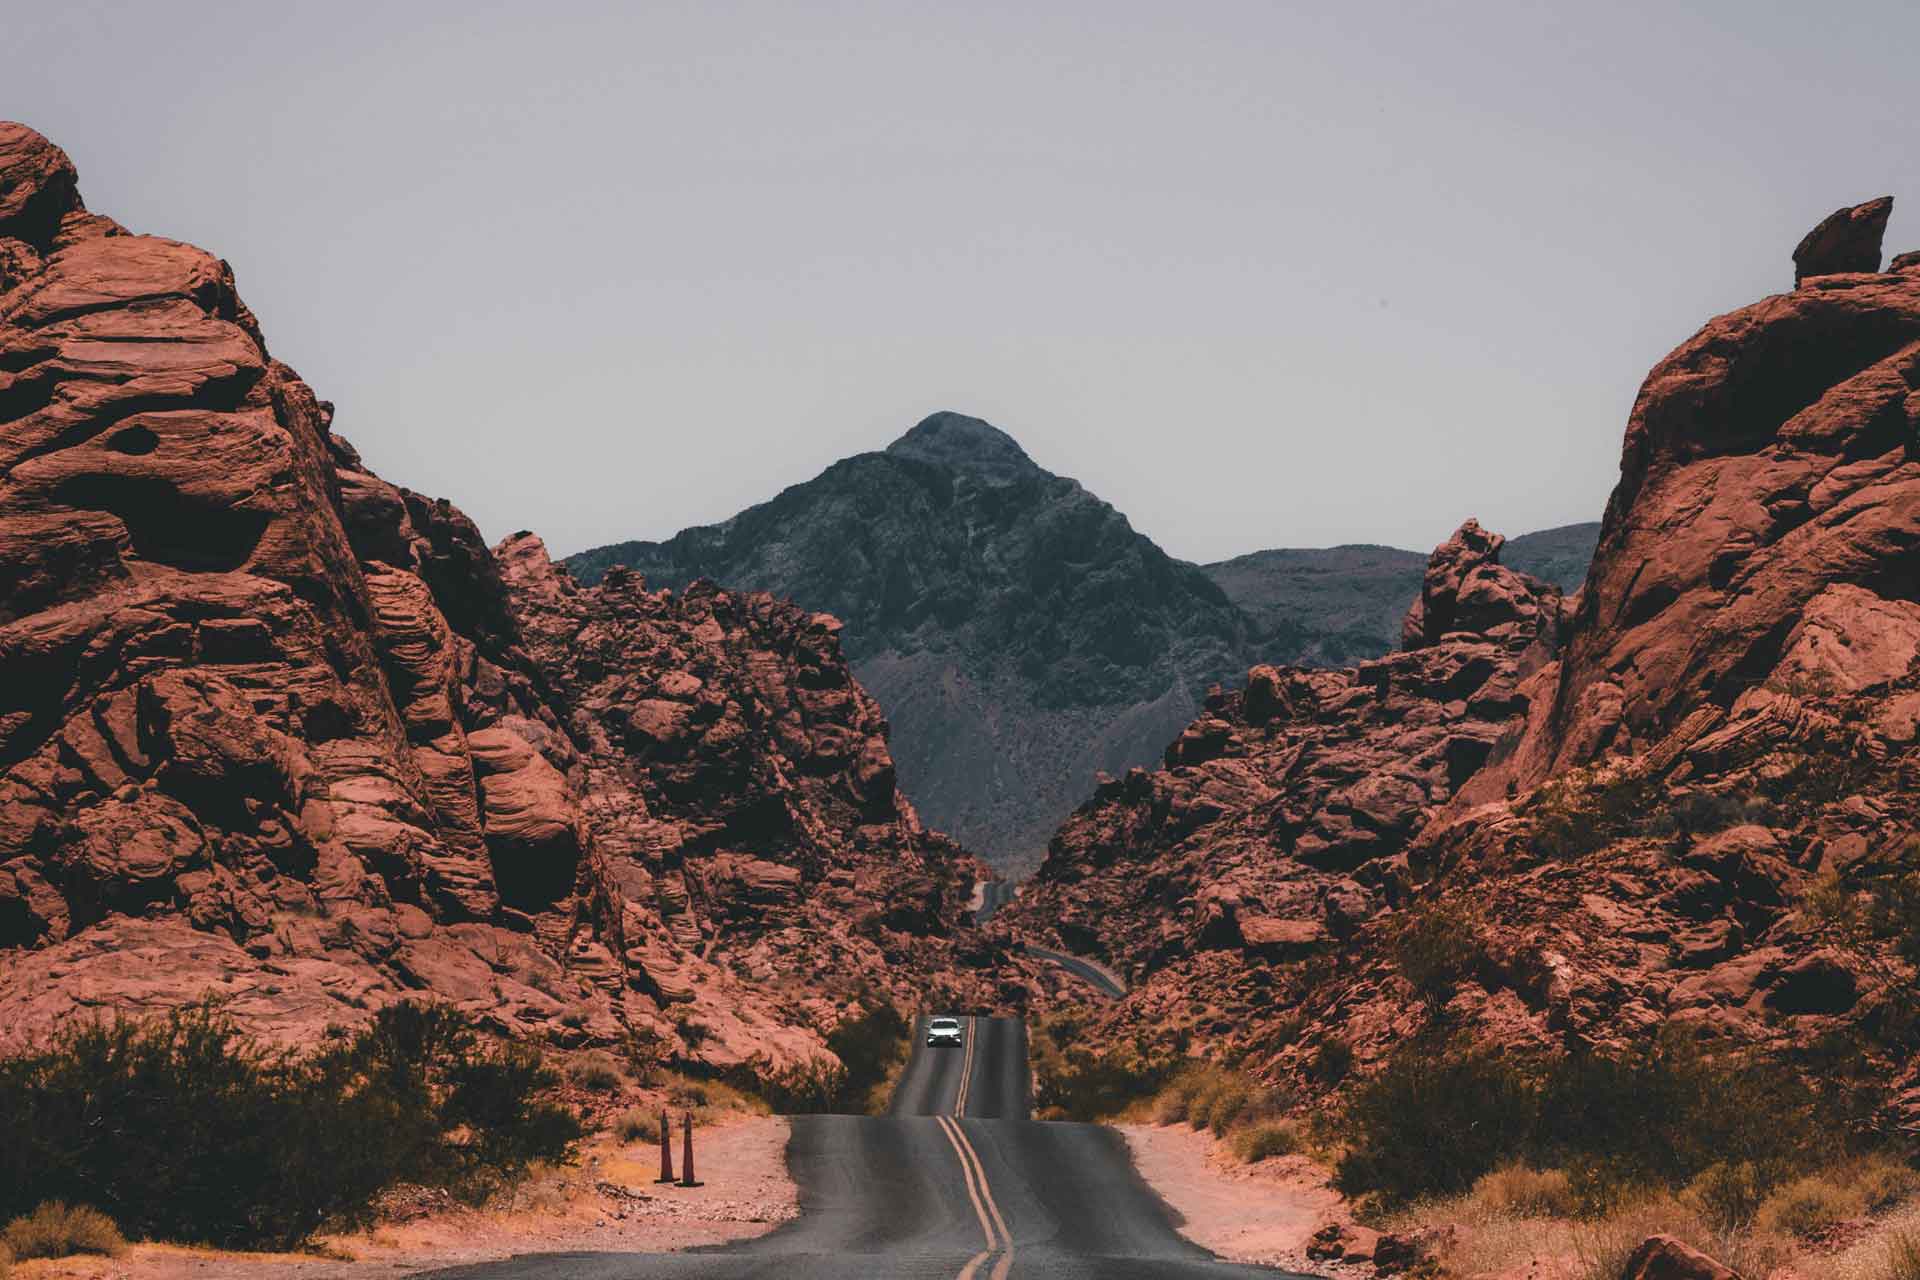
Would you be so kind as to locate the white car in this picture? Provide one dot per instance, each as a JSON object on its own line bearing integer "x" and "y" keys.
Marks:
{"x": 944, "y": 1031}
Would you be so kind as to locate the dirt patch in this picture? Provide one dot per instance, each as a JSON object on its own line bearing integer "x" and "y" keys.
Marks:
{"x": 606, "y": 1203}
{"x": 1259, "y": 1213}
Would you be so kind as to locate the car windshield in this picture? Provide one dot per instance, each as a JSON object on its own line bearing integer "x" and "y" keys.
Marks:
{"x": 946, "y": 1024}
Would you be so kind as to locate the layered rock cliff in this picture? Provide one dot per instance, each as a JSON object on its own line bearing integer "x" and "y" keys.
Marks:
{"x": 1686, "y": 802}
{"x": 278, "y": 733}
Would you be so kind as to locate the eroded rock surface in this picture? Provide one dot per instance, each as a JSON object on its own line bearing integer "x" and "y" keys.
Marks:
{"x": 1669, "y": 805}
{"x": 276, "y": 732}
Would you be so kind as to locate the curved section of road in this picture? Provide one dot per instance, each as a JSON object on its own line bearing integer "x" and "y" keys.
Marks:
{"x": 954, "y": 1183}
{"x": 995, "y": 894}
{"x": 1095, "y": 974}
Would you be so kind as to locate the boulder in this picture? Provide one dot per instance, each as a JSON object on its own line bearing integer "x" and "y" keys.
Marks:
{"x": 1665, "y": 1258}
{"x": 1846, "y": 240}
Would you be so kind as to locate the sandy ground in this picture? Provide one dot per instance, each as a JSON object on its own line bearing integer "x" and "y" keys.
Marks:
{"x": 1261, "y": 1213}
{"x": 607, "y": 1202}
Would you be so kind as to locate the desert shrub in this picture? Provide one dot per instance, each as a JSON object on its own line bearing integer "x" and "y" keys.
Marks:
{"x": 1438, "y": 1117}
{"x": 1266, "y": 1138}
{"x": 1661, "y": 1113}
{"x": 1726, "y": 1195}
{"x": 1883, "y": 1182}
{"x": 1432, "y": 1122}
{"x": 1903, "y": 1257}
{"x": 596, "y": 1071}
{"x": 1228, "y": 1104}
{"x": 870, "y": 1047}
{"x": 1579, "y": 813}
{"x": 1174, "y": 1102}
{"x": 1075, "y": 1082}
{"x": 1520, "y": 1191}
{"x": 58, "y": 1230}
{"x": 184, "y": 1128}
{"x": 1807, "y": 1207}
{"x": 691, "y": 1029}
{"x": 1603, "y": 1245}
{"x": 1705, "y": 812}
{"x": 709, "y": 1098}
{"x": 1436, "y": 948}
{"x": 637, "y": 1125}
{"x": 1332, "y": 1060}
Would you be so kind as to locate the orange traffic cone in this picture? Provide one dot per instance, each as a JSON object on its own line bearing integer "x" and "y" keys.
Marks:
{"x": 686, "y": 1156}
{"x": 666, "y": 1148}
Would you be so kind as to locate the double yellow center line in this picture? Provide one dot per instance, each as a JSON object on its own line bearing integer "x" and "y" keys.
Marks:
{"x": 992, "y": 1225}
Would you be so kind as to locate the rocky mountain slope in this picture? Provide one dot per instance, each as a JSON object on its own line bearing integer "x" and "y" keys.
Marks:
{"x": 278, "y": 733}
{"x": 1020, "y": 634}
{"x": 1686, "y": 801}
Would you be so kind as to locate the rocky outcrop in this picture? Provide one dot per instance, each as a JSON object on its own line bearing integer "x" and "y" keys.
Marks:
{"x": 271, "y": 731}
{"x": 738, "y": 786}
{"x": 1278, "y": 827}
{"x": 1021, "y": 634}
{"x": 1846, "y": 240}
{"x": 1683, "y": 802}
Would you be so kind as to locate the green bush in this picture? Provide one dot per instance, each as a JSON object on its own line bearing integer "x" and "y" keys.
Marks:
{"x": 1807, "y": 1207}
{"x": 184, "y": 1128}
{"x": 1431, "y": 1123}
{"x": 1884, "y": 1183}
{"x": 1440, "y": 1116}
{"x": 1436, "y": 947}
{"x": 1227, "y": 1105}
{"x": 869, "y": 1047}
{"x": 1726, "y": 1195}
{"x": 57, "y": 1230}
{"x": 1073, "y": 1082}
{"x": 1266, "y": 1138}
{"x": 1332, "y": 1060}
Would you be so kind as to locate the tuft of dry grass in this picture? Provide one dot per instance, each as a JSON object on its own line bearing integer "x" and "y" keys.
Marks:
{"x": 709, "y": 1099}
{"x": 57, "y": 1230}
{"x": 596, "y": 1071}
{"x": 1603, "y": 1247}
{"x": 1519, "y": 1191}
{"x": 1884, "y": 1183}
{"x": 640, "y": 1124}
{"x": 1903, "y": 1257}
{"x": 1265, "y": 1138}
{"x": 1808, "y": 1207}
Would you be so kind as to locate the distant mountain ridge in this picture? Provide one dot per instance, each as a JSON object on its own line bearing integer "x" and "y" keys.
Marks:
{"x": 1347, "y": 601}
{"x": 1020, "y": 634}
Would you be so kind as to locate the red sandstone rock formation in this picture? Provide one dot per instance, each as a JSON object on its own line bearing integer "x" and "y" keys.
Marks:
{"x": 1279, "y": 826}
{"x": 1625, "y": 823}
{"x": 270, "y": 732}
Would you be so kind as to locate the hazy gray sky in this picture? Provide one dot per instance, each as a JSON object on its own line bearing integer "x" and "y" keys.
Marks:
{"x": 1259, "y": 274}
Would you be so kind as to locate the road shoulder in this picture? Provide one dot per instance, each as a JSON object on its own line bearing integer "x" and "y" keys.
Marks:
{"x": 606, "y": 1203}
{"x": 1260, "y": 1213}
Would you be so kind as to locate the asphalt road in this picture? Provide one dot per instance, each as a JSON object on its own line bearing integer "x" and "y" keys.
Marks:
{"x": 955, "y": 1182}
{"x": 995, "y": 894}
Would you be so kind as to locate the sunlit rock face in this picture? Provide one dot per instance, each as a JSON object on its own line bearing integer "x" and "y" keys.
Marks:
{"x": 271, "y": 730}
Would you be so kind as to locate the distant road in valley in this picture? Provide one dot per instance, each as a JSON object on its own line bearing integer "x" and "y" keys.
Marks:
{"x": 995, "y": 894}
{"x": 955, "y": 1182}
